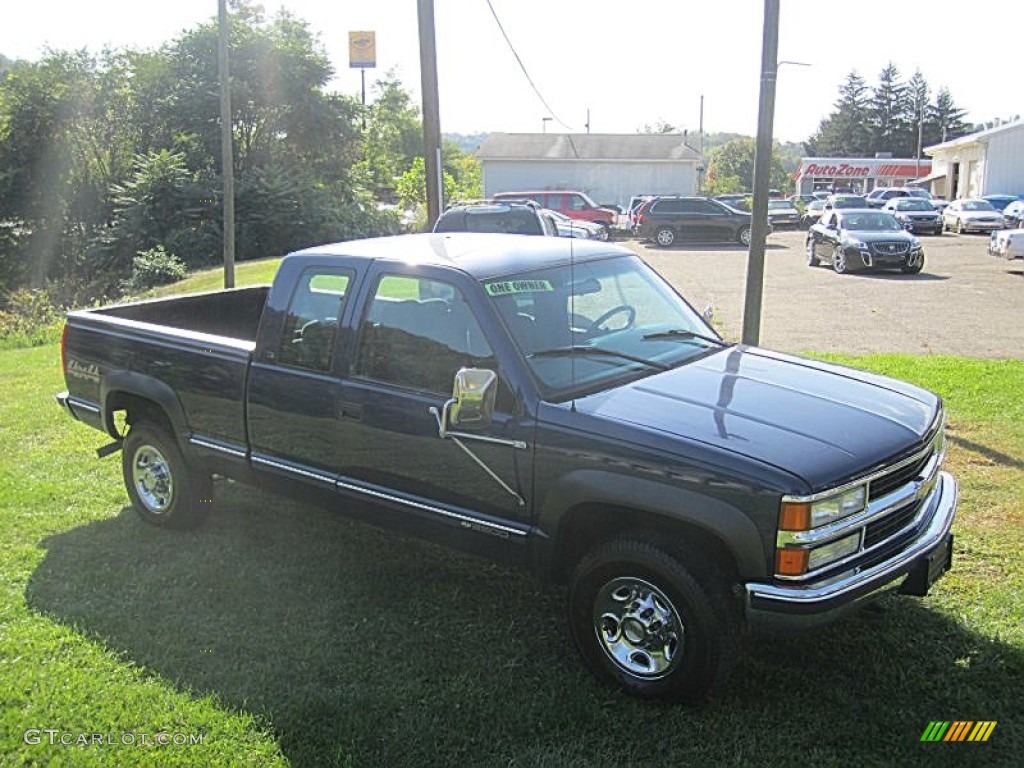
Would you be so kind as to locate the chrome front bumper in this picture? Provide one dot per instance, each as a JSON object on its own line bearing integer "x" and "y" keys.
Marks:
{"x": 774, "y": 606}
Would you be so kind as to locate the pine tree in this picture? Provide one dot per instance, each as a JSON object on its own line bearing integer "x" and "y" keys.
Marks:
{"x": 845, "y": 133}
{"x": 888, "y": 109}
{"x": 948, "y": 119}
{"x": 918, "y": 113}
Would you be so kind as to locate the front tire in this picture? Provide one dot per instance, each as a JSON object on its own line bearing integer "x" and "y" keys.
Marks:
{"x": 908, "y": 269}
{"x": 653, "y": 620}
{"x": 812, "y": 260}
{"x": 839, "y": 261}
{"x": 163, "y": 489}
{"x": 959, "y": 226}
{"x": 665, "y": 236}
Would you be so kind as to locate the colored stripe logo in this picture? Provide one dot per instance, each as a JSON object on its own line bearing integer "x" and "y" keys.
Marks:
{"x": 958, "y": 730}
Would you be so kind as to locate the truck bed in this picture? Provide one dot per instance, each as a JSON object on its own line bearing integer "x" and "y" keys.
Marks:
{"x": 234, "y": 314}
{"x": 189, "y": 354}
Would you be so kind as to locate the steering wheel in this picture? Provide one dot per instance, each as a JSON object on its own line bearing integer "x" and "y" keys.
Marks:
{"x": 622, "y": 309}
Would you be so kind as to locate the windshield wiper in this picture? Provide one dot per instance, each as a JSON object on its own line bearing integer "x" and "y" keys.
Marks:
{"x": 585, "y": 350}
{"x": 682, "y": 335}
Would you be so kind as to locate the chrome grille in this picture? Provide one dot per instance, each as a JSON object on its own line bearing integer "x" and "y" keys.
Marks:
{"x": 893, "y": 523}
{"x": 901, "y": 476}
{"x": 890, "y": 249}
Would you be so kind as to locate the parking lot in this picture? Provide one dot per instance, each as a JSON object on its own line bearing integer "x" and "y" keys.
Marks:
{"x": 964, "y": 302}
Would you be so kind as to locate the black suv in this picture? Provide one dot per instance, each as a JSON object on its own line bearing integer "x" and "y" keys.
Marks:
{"x": 513, "y": 217}
{"x": 668, "y": 219}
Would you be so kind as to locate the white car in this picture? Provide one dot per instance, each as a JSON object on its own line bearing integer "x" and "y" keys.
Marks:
{"x": 576, "y": 227}
{"x": 971, "y": 214}
{"x": 1007, "y": 244}
{"x": 1013, "y": 215}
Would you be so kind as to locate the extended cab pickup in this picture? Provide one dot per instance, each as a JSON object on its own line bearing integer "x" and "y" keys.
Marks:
{"x": 551, "y": 403}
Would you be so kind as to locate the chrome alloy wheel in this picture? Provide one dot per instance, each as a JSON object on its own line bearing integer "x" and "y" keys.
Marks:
{"x": 638, "y": 627}
{"x": 151, "y": 476}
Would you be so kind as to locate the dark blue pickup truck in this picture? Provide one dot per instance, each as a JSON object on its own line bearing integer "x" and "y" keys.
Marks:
{"x": 550, "y": 403}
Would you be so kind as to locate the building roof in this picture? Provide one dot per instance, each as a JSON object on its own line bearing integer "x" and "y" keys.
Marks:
{"x": 588, "y": 146}
{"x": 481, "y": 255}
{"x": 980, "y": 137}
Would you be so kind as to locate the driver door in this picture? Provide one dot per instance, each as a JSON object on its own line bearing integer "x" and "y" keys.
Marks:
{"x": 416, "y": 330}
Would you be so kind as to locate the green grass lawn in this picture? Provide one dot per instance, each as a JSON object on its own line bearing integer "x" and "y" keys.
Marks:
{"x": 285, "y": 634}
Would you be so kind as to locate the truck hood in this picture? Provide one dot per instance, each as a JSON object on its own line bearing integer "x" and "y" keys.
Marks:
{"x": 823, "y": 423}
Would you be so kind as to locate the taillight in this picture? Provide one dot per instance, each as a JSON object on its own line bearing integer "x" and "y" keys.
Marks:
{"x": 64, "y": 349}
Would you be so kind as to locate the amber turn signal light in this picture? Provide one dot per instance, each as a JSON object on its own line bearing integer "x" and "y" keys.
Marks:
{"x": 791, "y": 562}
{"x": 795, "y": 516}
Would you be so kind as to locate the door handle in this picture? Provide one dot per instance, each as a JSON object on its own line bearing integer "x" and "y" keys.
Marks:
{"x": 350, "y": 411}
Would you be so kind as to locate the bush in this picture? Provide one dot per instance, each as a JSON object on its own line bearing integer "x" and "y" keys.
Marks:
{"x": 154, "y": 267}
{"x": 28, "y": 318}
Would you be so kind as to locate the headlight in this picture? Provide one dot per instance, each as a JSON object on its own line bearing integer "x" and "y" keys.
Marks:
{"x": 803, "y": 516}
{"x": 860, "y": 245}
{"x": 915, "y": 244}
{"x": 834, "y": 550}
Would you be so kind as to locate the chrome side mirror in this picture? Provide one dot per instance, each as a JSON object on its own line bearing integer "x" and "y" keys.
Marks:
{"x": 473, "y": 395}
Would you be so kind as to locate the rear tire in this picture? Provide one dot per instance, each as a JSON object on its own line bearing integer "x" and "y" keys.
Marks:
{"x": 665, "y": 236}
{"x": 743, "y": 236}
{"x": 163, "y": 489}
{"x": 653, "y": 619}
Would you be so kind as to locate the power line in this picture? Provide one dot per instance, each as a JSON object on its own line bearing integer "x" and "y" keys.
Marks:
{"x": 523, "y": 67}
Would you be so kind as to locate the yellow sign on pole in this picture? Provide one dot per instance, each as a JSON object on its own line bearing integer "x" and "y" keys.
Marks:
{"x": 362, "y": 50}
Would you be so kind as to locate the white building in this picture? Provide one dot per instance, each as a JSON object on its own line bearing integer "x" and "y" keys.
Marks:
{"x": 985, "y": 163}
{"x": 610, "y": 168}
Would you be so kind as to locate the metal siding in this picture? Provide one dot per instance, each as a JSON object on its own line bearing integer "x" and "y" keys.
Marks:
{"x": 1004, "y": 166}
{"x": 605, "y": 182}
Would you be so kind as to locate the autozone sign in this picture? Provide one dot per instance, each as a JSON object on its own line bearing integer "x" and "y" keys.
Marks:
{"x": 843, "y": 169}
{"x": 837, "y": 168}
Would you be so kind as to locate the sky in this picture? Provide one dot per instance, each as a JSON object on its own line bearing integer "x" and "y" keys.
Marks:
{"x": 630, "y": 64}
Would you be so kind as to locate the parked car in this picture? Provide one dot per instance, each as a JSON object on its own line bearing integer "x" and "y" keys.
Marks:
{"x": 999, "y": 202}
{"x": 1013, "y": 215}
{"x": 1007, "y": 243}
{"x": 576, "y": 227}
{"x": 879, "y": 196}
{"x": 916, "y": 214}
{"x": 575, "y": 205}
{"x": 862, "y": 238}
{"x": 801, "y": 199}
{"x": 782, "y": 213}
{"x": 740, "y": 201}
{"x": 695, "y": 219}
{"x": 971, "y": 215}
{"x": 513, "y": 217}
{"x": 838, "y": 202}
{"x": 570, "y": 415}
{"x": 634, "y": 205}
{"x": 812, "y": 212}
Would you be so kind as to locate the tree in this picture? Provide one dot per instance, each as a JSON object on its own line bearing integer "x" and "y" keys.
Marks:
{"x": 845, "y": 132}
{"x": 394, "y": 136}
{"x": 888, "y": 110}
{"x": 735, "y": 161}
{"x": 948, "y": 119}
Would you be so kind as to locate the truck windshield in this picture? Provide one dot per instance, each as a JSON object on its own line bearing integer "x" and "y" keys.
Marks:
{"x": 595, "y": 324}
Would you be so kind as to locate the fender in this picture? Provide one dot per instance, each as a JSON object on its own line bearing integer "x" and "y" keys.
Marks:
{"x": 728, "y": 524}
{"x": 148, "y": 388}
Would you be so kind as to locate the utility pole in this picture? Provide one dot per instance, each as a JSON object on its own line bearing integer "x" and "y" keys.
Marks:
{"x": 762, "y": 173}
{"x": 431, "y": 111}
{"x": 227, "y": 163}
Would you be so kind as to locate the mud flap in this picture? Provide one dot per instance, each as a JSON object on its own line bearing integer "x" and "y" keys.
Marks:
{"x": 928, "y": 569}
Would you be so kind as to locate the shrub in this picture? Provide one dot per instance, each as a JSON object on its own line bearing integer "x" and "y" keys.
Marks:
{"x": 154, "y": 267}
{"x": 28, "y": 318}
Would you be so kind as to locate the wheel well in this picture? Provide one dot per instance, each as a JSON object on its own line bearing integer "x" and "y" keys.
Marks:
{"x": 137, "y": 409}
{"x": 588, "y": 525}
